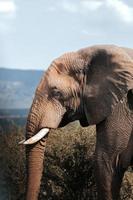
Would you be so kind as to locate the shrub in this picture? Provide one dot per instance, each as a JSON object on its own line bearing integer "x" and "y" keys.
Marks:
{"x": 68, "y": 167}
{"x": 12, "y": 165}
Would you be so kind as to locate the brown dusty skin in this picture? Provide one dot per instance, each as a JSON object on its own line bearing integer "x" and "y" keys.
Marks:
{"x": 91, "y": 82}
{"x": 35, "y": 157}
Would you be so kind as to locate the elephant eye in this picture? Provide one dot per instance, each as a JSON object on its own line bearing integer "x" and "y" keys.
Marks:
{"x": 56, "y": 93}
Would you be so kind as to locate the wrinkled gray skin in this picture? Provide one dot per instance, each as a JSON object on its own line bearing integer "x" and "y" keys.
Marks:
{"x": 92, "y": 85}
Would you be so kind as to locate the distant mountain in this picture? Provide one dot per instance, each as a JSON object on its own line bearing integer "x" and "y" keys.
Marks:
{"x": 17, "y": 87}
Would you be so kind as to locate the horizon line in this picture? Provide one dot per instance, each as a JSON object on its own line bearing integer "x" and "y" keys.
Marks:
{"x": 21, "y": 69}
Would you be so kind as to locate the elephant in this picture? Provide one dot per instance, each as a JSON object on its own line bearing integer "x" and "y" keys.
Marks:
{"x": 93, "y": 85}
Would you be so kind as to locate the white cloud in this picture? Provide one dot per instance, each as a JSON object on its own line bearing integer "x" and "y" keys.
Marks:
{"x": 81, "y": 6}
{"x": 118, "y": 8}
{"x": 124, "y": 11}
{"x": 7, "y": 16}
{"x": 91, "y": 5}
{"x": 7, "y": 7}
{"x": 70, "y": 6}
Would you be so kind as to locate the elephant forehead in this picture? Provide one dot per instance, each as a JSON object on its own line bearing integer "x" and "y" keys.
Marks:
{"x": 61, "y": 81}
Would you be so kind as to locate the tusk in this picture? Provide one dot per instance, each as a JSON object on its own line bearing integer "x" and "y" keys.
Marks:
{"x": 21, "y": 142}
{"x": 36, "y": 137}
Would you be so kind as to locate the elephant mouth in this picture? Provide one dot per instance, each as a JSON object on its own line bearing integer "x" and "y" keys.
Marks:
{"x": 67, "y": 118}
{"x": 39, "y": 135}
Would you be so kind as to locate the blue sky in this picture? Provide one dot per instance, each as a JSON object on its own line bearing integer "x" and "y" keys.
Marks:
{"x": 34, "y": 32}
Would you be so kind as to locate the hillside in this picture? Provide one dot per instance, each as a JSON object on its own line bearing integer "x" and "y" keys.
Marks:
{"x": 17, "y": 87}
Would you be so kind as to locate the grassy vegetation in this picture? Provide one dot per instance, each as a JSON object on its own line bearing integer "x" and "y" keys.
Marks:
{"x": 68, "y": 167}
{"x": 12, "y": 163}
{"x": 68, "y": 172}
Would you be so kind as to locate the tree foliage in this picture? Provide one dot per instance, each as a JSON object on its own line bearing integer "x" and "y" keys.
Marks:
{"x": 68, "y": 166}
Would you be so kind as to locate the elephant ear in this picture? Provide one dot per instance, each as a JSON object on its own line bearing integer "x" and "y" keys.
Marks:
{"x": 109, "y": 77}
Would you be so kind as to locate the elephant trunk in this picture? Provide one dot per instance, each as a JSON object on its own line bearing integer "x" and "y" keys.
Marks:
{"x": 35, "y": 157}
{"x": 34, "y": 154}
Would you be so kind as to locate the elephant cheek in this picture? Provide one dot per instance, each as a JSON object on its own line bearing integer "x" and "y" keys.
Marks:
{"x": 35, "y": 157}
{"x": 52, "y": 117}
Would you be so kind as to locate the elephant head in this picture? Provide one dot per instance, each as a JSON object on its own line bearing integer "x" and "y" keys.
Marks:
{"x": 84, "y": 85}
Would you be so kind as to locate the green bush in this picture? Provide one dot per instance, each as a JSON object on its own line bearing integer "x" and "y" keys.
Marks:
{"x": 12, "y": 164}
{"x": 68, "y": 167}
{"x": 69, "y": 164}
